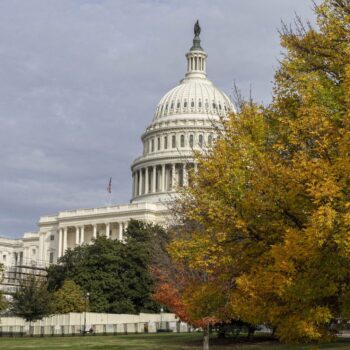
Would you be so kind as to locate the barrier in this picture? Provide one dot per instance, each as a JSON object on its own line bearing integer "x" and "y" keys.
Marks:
{"x": 73, "y": 324}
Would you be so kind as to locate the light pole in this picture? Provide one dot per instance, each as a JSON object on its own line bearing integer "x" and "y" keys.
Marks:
{"x": 161, "y": 318}
{"x": 86, "y": 300}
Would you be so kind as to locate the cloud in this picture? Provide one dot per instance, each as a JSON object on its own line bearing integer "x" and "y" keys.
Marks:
{"x": 79, "y": 82}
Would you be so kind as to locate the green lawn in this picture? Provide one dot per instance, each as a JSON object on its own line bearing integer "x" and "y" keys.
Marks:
{"x": 151, "y": 342}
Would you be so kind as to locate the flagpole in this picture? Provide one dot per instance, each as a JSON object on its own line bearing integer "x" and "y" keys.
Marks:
{"x": 109, "y": 190}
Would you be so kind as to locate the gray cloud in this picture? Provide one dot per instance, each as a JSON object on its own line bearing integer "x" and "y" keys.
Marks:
{"x": 79, "y": 81}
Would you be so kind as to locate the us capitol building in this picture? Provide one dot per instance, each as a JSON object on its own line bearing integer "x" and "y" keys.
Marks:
{"x": 185, "y": 119}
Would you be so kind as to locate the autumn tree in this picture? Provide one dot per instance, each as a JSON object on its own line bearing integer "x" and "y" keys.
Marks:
{"x": 269, "y": 209}
{"x": 70, "y": 298}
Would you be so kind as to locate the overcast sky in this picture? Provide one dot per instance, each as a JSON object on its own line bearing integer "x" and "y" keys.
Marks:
{"x": 80, "y": 79}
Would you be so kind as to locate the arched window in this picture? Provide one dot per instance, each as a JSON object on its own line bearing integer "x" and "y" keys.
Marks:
{"x": 182, "y": 141}
{"x": 152, "y": 147}
{"x": 173, "y": 141}
{"x": 214, "y": 105}
{"x": 185, "y": 104}
{"x": 200, "y": 140}
{"x": 192, "y": 103}
{"x": 200, "y": 104}
{"x": 191, "y": 141}
{"x": 158, "y": 143}
{"x": 165, "y": 142}
{"x": 178, "y": 104}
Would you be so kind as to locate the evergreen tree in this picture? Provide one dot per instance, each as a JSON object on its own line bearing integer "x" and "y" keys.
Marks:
{"x": 116, "y": 274}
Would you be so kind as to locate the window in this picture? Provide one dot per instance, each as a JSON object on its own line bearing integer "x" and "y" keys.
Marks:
{"x": 165, "y": 142}
{"x": 178, "y": 104}
{"x": 191, "y": 141}
{"x": 200, "y": 140}
{"x": 158, "y": 143}
{"x": 214, "y": 105}
{"x": 210, "y": 140}
{"x": 182, "y": 141}
{"x": 185, "y": 104}
{"x": 52, "y": 237}
{"x": 33, "y": 251}
{"x": 152, "y": 147}
{"x": 4, "y": 257}
{"x": 192, "y": 103}
{"x": 51, "y": 258}
{"x": 200, "y": 104}
{"x": 173, "y": 141}
{"x": 172, "y": 105}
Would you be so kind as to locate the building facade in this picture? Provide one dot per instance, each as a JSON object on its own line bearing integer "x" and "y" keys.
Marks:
{"x": 187, "y": 118}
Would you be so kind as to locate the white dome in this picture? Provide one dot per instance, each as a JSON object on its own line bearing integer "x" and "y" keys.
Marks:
{"x": 194, "y": 96}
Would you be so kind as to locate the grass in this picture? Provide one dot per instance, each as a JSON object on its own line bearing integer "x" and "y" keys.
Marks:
{"x": 154, "y": 342}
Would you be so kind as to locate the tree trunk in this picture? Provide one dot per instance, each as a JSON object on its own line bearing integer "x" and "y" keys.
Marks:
{"x": 206, "y": 338}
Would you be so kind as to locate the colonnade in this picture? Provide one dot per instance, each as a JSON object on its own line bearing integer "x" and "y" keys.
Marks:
{"x": 160, "y": 178}
{"x": 78, "y": 234}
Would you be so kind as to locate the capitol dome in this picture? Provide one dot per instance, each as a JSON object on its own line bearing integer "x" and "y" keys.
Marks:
{"x": 193, "y": 96}
{"x": 186, "y": 119}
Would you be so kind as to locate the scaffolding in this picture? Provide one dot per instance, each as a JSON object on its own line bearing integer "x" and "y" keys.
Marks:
{"x": 18, "y": 270}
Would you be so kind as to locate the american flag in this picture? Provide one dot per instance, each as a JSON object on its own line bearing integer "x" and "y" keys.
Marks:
{"x": 109, "y": 188}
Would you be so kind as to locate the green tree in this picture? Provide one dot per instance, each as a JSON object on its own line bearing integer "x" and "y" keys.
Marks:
{"x": 268, "y": 216}
{"x": 3, "y": 302}
{"x": 32, "y": 300}
{"x": 70, "y": 298}
{"x": 116, "y": 274}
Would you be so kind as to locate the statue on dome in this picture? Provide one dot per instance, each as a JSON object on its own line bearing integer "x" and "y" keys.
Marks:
{"x": 197, "y": 28}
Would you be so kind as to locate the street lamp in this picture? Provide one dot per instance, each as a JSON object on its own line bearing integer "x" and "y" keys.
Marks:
{"x": 161, "y": 318}
{"x": 86, "y": 300}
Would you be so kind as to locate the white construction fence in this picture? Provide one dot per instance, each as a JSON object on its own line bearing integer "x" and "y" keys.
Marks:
{"x": 93, "y": 323}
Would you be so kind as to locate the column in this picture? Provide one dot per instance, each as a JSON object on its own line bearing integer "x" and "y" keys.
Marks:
{"x": 65, "y": 233}
{"x": 146, "y": 180}
{"x": 107, "y": 230}
{"x": 184, "y": 174}
{"x": 82, "y": 235}
{"x": 140, "y": 181}
{"x": 41, "y": 247}
{"x": 173, "y": 177}
{"x": 133, "y": 185}
{"x": 163, "y": 178}
{"x": 94, "y": 231}
{"x": 60, "y": 239}
{"x": 120, "y": 237}
{"x": 76, "y": 235}
{"x": 154, "y": 180}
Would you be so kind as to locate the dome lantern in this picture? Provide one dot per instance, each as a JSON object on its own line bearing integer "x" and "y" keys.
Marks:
{"x": 196, "y": 57}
